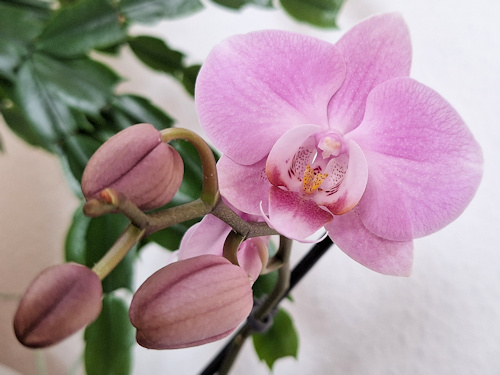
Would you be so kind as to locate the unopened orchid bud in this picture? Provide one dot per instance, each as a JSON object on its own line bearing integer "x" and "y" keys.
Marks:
{"x": 60, "y": 300}
{"x": 136, "y": 163}
{"x": 191, "y": 302}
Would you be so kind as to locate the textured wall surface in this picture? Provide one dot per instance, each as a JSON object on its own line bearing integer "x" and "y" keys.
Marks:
{"x": 444, "y": 319}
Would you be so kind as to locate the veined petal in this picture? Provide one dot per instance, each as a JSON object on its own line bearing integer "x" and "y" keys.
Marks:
{"x": 254, "y": 87}
{"x": 424, "y": 164}
{"x": 249, "y": 256}
{"x": 293, "y": 216}
{"x": 291, "y": 152}
{"x": 208, "y": 237}
{"x": 378, "y": 254}
{"x": 352, "y": 187}
{"x": 244, "y": 186}
{"x": 205, "y": 237}
{"x": 375, "y": 50}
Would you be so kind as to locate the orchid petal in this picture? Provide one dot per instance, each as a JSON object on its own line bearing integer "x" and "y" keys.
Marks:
{"x": 208, "y": 237}
{"x": 374, "y": 51}
{"x": 249, "y": 256}
{"x": 352, "y": 187}
{"x": 205, "y": 237}
{"x": 280, "y": 166}
{"x": 244, "y": 186}
{"x": 293, "y": 216}
{"x": 424, "y": 164}
{"x": 380, "y": 255}
{"x": 254, "y": 87}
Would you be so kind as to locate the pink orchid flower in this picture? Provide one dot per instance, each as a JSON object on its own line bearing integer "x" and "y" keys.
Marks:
{"x": 337, "y": 136}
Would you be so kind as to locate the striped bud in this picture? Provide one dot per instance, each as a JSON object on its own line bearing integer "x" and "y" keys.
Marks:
{"x": 136, "y": 163}
{"x": 191, "y": 302}
{"x": 59, "y": 301}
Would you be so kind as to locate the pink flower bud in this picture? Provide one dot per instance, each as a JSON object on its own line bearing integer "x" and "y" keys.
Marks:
{"x": 60, "y": 300}
{"x": 191, "y": 302}
{"x": 136, "y": 163}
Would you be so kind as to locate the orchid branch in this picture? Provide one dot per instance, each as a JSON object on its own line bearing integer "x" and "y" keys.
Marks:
{"x": 299, "y": 271}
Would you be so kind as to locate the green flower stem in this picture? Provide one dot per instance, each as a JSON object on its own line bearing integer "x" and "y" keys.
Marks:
{"x": 210, "y": 192}
{"x": 231, "y": 245}
{"x": 117, "y": 252}
{"x": 175, "y": 215}
{"x": 245, "y": 228}
{"x": 279, "y": 291}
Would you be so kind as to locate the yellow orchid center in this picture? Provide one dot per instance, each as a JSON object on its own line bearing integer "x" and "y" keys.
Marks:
{"x": 312, "y": 180}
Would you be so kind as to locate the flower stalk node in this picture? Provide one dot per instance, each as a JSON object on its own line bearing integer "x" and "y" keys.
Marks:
{"x": 262, "y": 324}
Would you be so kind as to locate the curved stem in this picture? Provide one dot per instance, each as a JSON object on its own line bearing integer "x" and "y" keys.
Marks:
{"x": 210, "y": 192}
{"x": 245, "y": 228}
{"x": 231, "y": 245}
{"x": 117, "y": 252}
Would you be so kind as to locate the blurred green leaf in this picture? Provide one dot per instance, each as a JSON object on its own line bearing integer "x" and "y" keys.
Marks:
{"x": 78, "y": 149}
{"x": 280, "y": 341}
{"x": 81, "y": 83}
{"x": 189, "y": 77}
{"x": 40, "y": 8}
{"x": 77, "y": 29}
{"x": 87, "y": 241}
{"x": 238, "y": 4}
{"x": 192, "y": 182}
{"x": 137, "y": 109}
{"x": 75, "y": 248}
{"x": 322, "y": 13}
{"x": 109, "y": 340}
{"x": 18, "y": 123}
{"x": 264, "y": 284}
{"x": 49, "y": 119}
{"x": 150, "y": 11}
{"x": 18, "y": 27}
{"x": 157, "y": 55}
{"x": 21, "y": 23}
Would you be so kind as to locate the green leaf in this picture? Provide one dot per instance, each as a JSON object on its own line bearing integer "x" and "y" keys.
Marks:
{"x": 40, "y": 8}
{"x": 264, "y": 284}
{"x": 18, "y": 27}
{"x": 109, "y": 340}
{"x": 49, "y": 119}
{"x": 87, "y": 241}
{"x": 189, "y": 77}
{"x": 137, "y": 109}
{"x": 78, "y": 149}
{"x": 238, "y": 4}
{"x": 18, "y": 123}
{"x": 150, "y": 11}
{"x": 77, "y": 29}
{"x": 81, "y": 83}
{"x": 21, "y": 23}
{"x": 322, "y": 13}
{"x": 157, "y": 55}
{"x": 46, "y": 88}
{"x": 75, "y": 248}
{"x": 280, "y": 341}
